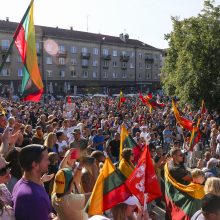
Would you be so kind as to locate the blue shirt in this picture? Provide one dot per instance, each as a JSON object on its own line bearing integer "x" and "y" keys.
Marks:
{"x": 97, "y": 139}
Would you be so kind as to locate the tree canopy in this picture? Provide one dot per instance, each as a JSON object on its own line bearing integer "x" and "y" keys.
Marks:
{"x": 192, "y": 65}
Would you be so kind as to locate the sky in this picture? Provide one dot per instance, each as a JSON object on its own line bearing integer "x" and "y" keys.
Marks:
{"x": 145, "y": 20}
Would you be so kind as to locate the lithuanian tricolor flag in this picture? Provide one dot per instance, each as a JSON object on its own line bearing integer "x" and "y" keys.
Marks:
{"x": 108, "y": 191}
{"x": 126, "y": 141}
{"x": 183, "y": 122}
{"x": 182, "y": 201}
{"x": 32, "y": 85}
{"x": 121, "y": 99}
{"x": 195, "y": 136}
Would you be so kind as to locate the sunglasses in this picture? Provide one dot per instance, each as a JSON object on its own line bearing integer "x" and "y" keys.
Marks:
{"x": 4, "y": 170}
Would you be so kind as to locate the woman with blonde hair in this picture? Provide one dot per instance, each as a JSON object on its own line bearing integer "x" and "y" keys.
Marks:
{"x": 212, "y": 185}
{"x": 50, "y": 141}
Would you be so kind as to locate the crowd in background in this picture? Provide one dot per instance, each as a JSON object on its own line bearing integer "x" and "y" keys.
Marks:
{"x": 52, "y": 154}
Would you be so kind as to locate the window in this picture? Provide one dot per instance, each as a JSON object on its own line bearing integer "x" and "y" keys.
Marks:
{"x": 37, "y": 47}
{"x": 114, "y": 63}
{"x": 19, "y": 59}
{"x": 95, "y": 51}
{"x": 114, "y": 75}
{"x": 5, "y": 44}
{"x": 85, "y": 74}
{"x": 85, "y": 62}
{"x": 124, "y": 75}
{"x": 62, "y": 49}
{"x": 139, "y": 75}
{"x": 105, "y": 51}
{"x": 73, "y": 73}
{"x": 5, "y": 72}
{"x": 114, "y": 53}
{"x": 49, "y": 73}
{"x": 62, "y": 61}
{"x": 95, "y": 62}
{"x": 148, "y": 66}
{"x": 124, "y": 64}
{"x": 148, "y": 75}
{"x": 140, "y": 65}
{"x": 73, "y": 49}
{"x": 62, "y": 73}
{"x": 20, "y": 73}
{"x": 105, "y": 75}
{"x": 140, "y": 55}
{"x": 49, "y": 60}
{"x": 105, "y": 63}
{"x": 132, "y": 54}
{"x": 124, "y": 53}
{"x": 131, "y": 65}
{"x": 73, "y": 61}
{"x": 84, "y": 50}
{"x": 94, "y": 74}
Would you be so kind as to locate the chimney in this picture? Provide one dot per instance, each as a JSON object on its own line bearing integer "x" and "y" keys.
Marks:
{"x": 71, "y": 28}
{"x": 7, "y": 18}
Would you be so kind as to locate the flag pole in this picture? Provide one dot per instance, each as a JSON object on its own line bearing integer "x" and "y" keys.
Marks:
{"x": 15, "y": 35}
{"x": 145, "y": 201}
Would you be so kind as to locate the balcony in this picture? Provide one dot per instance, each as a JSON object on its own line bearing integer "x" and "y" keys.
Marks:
{"x": 105, "y": 67}
{"x": 149, "y": 59}
{"x": 85, "y": 65}
{"x": 106, "y": 57}
{"x": 62, "y": 54}
{"x": 124, "y": 58}
{"x": 85, "y": 55}
{"x": 4, "y": 50}
{"x": 124, "y": 67}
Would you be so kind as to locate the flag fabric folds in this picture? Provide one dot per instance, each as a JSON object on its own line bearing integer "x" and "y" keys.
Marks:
{"x": 195, "y": 136}
{"x": 32, "y": 85}
{"x": 183, "y": 122}
{"x": 126, "y": 140}
{"x": 143, "y": 180}
{"x": 182, "y": 201}
{"x": 203, "y": 108}
{"x": 121, "y": 100}
{"x": 2, "y": 110}
{"x": 108, "y": 191}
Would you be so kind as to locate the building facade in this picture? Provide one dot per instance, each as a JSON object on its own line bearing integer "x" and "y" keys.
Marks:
{"x": 73, "y": 61}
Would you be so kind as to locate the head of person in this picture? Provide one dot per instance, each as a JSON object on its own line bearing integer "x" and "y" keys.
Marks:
{"x": 63, "y": 182}
{"x": 211, "y": 207}
{"x": 11, "y": 122}
{"x": 117, "y": 136}
{"x": 159, "y": 151}
{"x": 127, "y": 154}
{"x": 28, "y": 129}
{"x": 177, "y": 155}
{"x": 152, "y": 149}
{"x": 4, "y": 171}
{"x": 198, "y": 176}
{"x": 49, "y": 128}
{"x": 39, "y": 131}
{"x": 207, "y": 155}
{"x": 99, "y": 156}
{"x": 60, "y": 136}
{"x": 53, "y": 158}
{"x": 212, "y": 185}
{"x": 76, "y": 133}
{"x": 34, "y": 159}
{"x": 51, "y": 139}
{"x": 125, "y": 209}
{"x": 99, "y": 132}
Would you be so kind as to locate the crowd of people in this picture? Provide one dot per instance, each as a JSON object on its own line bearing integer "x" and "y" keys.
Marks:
{"x": 52, "y": 154}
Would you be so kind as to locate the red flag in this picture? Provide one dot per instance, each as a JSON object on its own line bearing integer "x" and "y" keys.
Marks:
{"x": 203, "y": 109}
{"x": 143, "y": 180}
{"x": 69, "y": 100}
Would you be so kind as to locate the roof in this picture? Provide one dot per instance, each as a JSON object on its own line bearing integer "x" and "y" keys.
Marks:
{"x": 9, "y": 26}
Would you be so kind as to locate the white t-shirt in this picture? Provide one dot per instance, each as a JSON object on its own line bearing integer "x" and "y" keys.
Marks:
{"x": 61, "y": 146}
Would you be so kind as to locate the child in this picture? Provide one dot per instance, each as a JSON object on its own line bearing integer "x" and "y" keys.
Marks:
{"x": 198, "y": 176}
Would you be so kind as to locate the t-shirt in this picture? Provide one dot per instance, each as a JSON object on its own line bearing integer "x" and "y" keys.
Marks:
{"x": 98, "y": 139}
{"x": 198, "y": 215}
{"x": 114, "y": 147}
{"x": 31, "y": 201}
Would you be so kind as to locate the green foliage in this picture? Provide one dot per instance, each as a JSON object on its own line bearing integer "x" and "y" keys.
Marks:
{"x": 192, "y": 66}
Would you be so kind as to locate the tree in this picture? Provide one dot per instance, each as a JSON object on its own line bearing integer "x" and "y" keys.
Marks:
{"x": 192, "y": 65}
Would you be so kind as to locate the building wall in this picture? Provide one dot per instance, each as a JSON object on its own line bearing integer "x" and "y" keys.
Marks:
{"x": 125, "y": 66}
